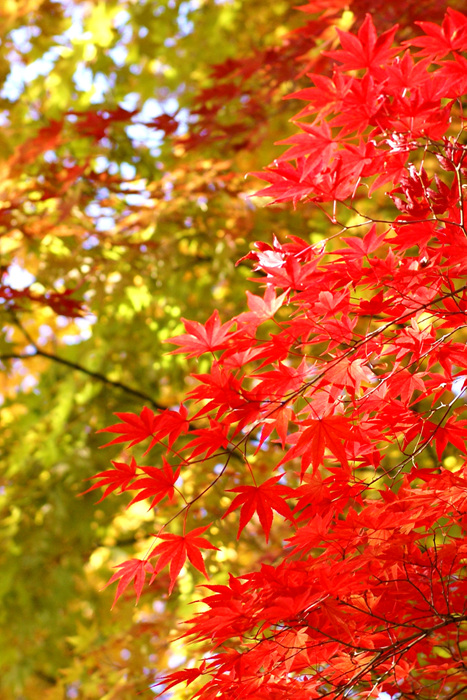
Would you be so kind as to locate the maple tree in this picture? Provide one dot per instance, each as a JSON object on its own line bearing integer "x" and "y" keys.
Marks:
{"x": 333, "y": 408}
{"x": 127, "y": 131}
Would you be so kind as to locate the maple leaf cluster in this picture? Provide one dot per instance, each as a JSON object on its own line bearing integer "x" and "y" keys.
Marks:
{"x": 349, "y": 369}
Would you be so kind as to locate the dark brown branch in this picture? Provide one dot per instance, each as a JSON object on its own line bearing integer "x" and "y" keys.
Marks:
{"x": 79, "y": 368}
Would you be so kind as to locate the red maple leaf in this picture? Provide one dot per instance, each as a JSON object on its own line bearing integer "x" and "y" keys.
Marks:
{"x": 347, "y": 373}
{"x": 48, "y": 138}
{"x": 175, "y": 549}
{"x": 366, "y": 50}
{"x": 134, "y": 428}
{"x": 325, "y": 96}
{"x": 362, "y": 247}
{"x": 277, "y": 418}
{"x": 203, "y": 338}
{"x": 172, "y": 679}
{"x": 119, "y": 477}
{"x": 328, "y": 432}
{"x": 261, "y": 308}
{"x": 452, "y": 432}
{"x": 171, "y": 424}
{"x": 157, "y": 484}
{"x": 133, "y": 570}
{"x": 439, "y": 41}
{"x": 316, "y": 144}
{"x": 263, "y": 500}
{"x": 405, "y": 383}
{"x": 209, "y": 440}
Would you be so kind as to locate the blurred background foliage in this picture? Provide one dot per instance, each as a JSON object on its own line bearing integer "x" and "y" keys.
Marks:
{"x": 126, "y": 132}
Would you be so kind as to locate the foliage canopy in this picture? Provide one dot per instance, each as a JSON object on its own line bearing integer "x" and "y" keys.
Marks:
{"x": 319, "y": 457}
